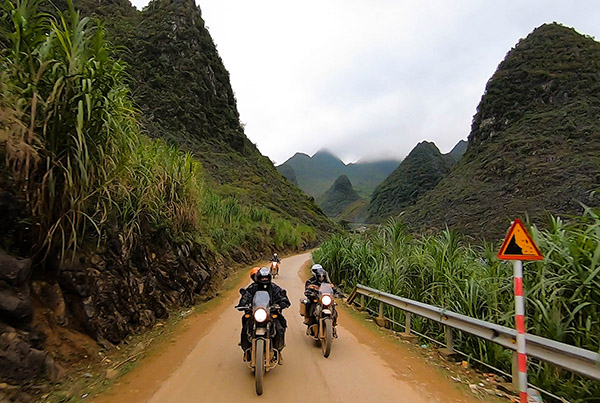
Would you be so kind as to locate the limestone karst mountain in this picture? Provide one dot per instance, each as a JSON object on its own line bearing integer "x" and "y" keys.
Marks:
{"x": 339, "y": 196}
{"x": 419, "y": 172}
{"x": 534, "y": 146}
{"x": 317, "y": 173}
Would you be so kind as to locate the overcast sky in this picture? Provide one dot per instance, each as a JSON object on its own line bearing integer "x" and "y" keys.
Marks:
{"x": 369, "y": 78}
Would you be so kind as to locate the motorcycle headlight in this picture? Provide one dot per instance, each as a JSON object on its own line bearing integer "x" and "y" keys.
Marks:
{"x": 326, "y": 300}
{"x": 260, "y": 315}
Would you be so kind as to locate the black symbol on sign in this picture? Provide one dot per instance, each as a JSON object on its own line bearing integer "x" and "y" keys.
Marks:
{"x": 513, "y": 248}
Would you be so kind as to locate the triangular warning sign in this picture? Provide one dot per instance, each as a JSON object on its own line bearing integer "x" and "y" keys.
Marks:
{"x": 519, "y": 245}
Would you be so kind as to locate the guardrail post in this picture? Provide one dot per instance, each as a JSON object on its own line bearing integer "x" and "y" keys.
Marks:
{"x": 407, "y": 335}
{"x": 362, "y": 302}
{"x": 380, "y": 320}
{"x": 449, "y": 350}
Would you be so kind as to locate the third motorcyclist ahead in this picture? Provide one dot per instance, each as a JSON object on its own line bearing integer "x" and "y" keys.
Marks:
{"x": 275, "y": 258}
{"x": 278, "y": 296}
{"x": 311, "y": 289}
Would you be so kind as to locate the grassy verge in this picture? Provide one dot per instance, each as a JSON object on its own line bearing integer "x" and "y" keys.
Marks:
{"x": 563, "y": 291}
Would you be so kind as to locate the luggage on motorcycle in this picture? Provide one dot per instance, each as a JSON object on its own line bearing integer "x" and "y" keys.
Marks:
{"x": 303, "y": 306}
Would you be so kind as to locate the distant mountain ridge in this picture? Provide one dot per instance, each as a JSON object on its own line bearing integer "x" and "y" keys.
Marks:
{"x": 420, "y": 171}
{"x": 314, "y": 175}
{"x": 534, "y": 146}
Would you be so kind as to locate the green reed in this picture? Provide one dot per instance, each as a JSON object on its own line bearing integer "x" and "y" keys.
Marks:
{"x": 562, "y": 291}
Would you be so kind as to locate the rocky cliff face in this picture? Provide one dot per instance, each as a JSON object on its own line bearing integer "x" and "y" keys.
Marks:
{"x": 22, "y": 357}
{"x": 534, "y": 146}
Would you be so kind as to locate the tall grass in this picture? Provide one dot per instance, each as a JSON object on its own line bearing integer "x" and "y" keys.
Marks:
{"x": 563, "y": 290}
{"x": 64, "y": 115}
{"x": 74, "y": 152}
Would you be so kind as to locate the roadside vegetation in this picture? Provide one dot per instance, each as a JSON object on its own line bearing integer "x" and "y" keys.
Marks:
{"x": 563, "y": 290}
{"x": 72, "y": 151}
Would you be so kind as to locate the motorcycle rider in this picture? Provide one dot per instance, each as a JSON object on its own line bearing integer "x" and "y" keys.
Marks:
{"x": 262, "y": 282}
{"x": 311, "y": 291}
{"x": 275, "y": 258}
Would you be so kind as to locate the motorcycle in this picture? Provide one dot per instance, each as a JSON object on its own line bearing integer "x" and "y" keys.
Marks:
{"x": 323, "y": 319}
{"x": 261, "y": 330}
{"x": 274, "y": 269}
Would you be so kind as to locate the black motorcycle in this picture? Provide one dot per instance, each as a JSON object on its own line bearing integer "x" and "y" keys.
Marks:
{"x": 323, "y": 318}
{"x": 261, "y": 331}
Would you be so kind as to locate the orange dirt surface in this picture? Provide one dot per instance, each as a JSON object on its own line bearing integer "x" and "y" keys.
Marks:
{"x": 204, "y": 363}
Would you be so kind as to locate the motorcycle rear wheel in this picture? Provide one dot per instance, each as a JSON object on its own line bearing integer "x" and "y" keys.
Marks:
{"x": 326, "y": 341}
{"x": 259, "y": 368}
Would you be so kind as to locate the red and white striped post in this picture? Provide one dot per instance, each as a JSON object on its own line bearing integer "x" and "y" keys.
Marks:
{"x": 520, "y": 322}
{"x": 518, "y": 246}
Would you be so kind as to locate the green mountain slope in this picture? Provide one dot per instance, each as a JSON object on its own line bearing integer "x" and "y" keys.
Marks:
{"x": 534, "y": 145}
{"x": 316, "y": 174}
{"x": 420, "y": 171}
{"x": 356, "y": 212}
{"x": 339, "y": 196}
{"x": 182, "y": 88}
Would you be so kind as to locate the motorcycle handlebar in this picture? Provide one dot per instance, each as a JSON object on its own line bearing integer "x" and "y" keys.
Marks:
{"x": 248, "y": 308}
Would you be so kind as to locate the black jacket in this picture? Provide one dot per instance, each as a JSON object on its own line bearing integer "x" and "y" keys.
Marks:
{"x": 278, "y": 295}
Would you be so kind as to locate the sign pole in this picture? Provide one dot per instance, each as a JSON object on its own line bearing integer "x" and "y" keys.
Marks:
{"x": 520, "y": 322}
{"x": 518, "y": 246}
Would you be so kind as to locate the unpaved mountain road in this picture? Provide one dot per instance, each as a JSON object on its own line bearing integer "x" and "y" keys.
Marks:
{"x": 363, "y": 367}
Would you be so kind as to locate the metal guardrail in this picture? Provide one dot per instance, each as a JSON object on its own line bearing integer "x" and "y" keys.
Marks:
{"x": 575, "y": 359}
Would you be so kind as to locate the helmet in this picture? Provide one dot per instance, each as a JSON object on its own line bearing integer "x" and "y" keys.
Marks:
{"x": 263, "y": 276}
{"x": 274, "y": 254}
{"x": 318, "y": 272}
{"x": 253, "y": 273}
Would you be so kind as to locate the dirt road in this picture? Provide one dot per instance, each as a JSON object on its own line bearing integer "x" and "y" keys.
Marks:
{"x": 213, "y": 370}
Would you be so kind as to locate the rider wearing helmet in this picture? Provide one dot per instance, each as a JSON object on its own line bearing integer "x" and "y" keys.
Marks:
{"x": 275, "y": 258}
{"x": 279, "y": 297}
{"x": 311, "y": 290}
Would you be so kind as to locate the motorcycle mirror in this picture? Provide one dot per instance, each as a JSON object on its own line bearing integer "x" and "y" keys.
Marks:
{"x": 242, "y": 291}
